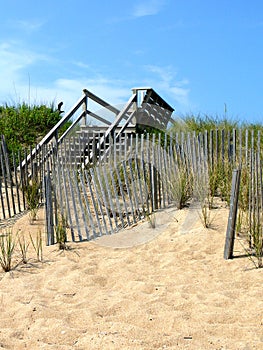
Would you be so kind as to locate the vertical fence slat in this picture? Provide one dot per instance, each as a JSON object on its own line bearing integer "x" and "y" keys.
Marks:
{"x": 231, "y": 226}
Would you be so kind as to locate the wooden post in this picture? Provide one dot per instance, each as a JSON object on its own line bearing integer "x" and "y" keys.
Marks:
{"x": 84, "y": 108}
{"x": 49, "y": 210}
{"x": 231, "y": 226}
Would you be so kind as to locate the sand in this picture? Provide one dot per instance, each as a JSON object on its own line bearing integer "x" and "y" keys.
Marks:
{"x": 145, "y": 288}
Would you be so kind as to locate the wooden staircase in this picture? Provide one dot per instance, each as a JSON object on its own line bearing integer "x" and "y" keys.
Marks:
{"x": 91, "y": 136}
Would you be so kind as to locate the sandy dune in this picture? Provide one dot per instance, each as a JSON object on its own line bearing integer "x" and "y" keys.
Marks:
{"x": 166, "y": 288}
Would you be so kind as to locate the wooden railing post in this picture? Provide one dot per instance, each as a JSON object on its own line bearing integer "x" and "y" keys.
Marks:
{"x": 85, "y": 109}
{"x": 231, "y": 226}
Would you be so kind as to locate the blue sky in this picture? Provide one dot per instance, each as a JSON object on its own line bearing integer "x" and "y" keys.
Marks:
{"x": 198, "y": 55}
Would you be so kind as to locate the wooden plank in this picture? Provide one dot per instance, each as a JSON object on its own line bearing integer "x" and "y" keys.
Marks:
{"x": 154, "y": 183}
{"x": 110, "y": 195}
{"x": 49, "y": 210}
{"x": 134, "y": 189}
{"x": 231, "y": 226}
{"x": 123, "y": 195}
{"x": 16, "y": 183}
{"x": 81, "y": 206}
{"x": 6, "y": 159}
{"x": 9, "y": 174}
{"x": 128, "y": 190}
{"x": 2, "y": 200}
{"x": 160, "y": 170}
{"x": 96, "y": 192}
{"x": 115, "y": 193}
{"x": 73, "y": 197}
{"x": 22, "y": 179}
{"x": 87, "y": 206}
{"x": 223, "y": 146}
{"x": 66, "y": 192}
{"x": 234, "y": 146}
{"x": 5, "y": 185}
{"x": 100, "y": 178}
{"x": 93, "y": 200}
{"x": 240, "y": 147}
{"x": 246, "y": 147}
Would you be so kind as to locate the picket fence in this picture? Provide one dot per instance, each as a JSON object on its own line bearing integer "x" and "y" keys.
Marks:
{"x": 127, "y": 183}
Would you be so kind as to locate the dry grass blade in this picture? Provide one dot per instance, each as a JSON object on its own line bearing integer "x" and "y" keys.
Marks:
{"x": 38, "y": 245}
{"x": 23, "y": 246}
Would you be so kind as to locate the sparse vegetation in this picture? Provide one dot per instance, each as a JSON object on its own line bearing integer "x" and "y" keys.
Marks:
{"x": 23, "y": 247}
{"x": 61, "y": 233}
{"x": 203, "y": 180}
{"x": 38, "y": 245}
{"x": 32, "y": 194}
{"x": 180, "y": 184}
{"x": 7, "y": 245}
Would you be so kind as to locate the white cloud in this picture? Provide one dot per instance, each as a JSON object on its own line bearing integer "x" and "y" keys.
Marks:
{"x": 148, "y": 8}
{"x": 16, "y": 66}
{"x": 166, "y": 82}
{"x": 14, "y": 62}
{"x": 27, "y": 26}
{"x": 70, "y": 90}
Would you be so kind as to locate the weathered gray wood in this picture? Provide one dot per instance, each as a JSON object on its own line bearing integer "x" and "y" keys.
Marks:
{"x": 109, "y": 193}
{"x": 240, "y": 147}
{"x": 211, "y": 149}
{"x": 5, "y": 185}
{"x": 66, "y": 192}
{"x": 49, "y": 210}
{"x": 6, "y": 159}
{"x": 246, "y": 147}
{"x": 81, "y": 206}
{"x": 154, "y": 182}
{"x": 115, "y": 194}
{"x": 137, "y": 208}
{"x": 2, "y": 200}
{"x": 101, "y": 180}
{"x": 93, "y": 200}
{"x": 16, "y": 183}
{"x": 234, "y": 146}
{"x": 231, "y": 226}
{"x": 96, "y": 192}
{"x": 217, "y": 146}
{"x": 87, "y": 207}
{"x": 74, "y": 202}
{"x": 128, "y": 190}
{"x": 120, "y": 184}
{"x": 22, "y": 179}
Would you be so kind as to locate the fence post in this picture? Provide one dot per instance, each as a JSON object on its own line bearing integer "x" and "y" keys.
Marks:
{"x": 84, "y": 108}
{"x": 49, "y": 210}
{"x": 231, "y": 226}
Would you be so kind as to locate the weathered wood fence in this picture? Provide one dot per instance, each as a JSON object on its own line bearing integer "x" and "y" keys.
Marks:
{"x": 138, "y": 177}
{"x": 131, "y": 180}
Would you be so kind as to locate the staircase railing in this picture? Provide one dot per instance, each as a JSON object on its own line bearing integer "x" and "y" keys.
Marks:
{"x": 145, "y": 105}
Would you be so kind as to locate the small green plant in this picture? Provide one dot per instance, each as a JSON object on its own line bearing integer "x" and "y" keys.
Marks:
{"x": 203, "y": 197}
{"x": 215, "y": 178}
{"x": 205, "y": 214}
{"x": 61, "y": 233}
{"x": 180, "y": 184}
{"x": 225, "y": 180}
{"x": 38, "y": 245}
{"x": 7, "y": 245}
{"x": 151, "y": 220}
{"x": 257, "y": 239}
{"x": 23, "y": 246}
{"x": 32, "y": 195}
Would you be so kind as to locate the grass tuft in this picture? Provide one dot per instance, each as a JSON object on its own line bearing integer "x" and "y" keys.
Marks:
{"x": 7, "y": 245}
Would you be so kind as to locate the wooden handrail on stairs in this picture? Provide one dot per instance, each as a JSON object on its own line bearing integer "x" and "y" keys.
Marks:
{"x": 144, "y": 106}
